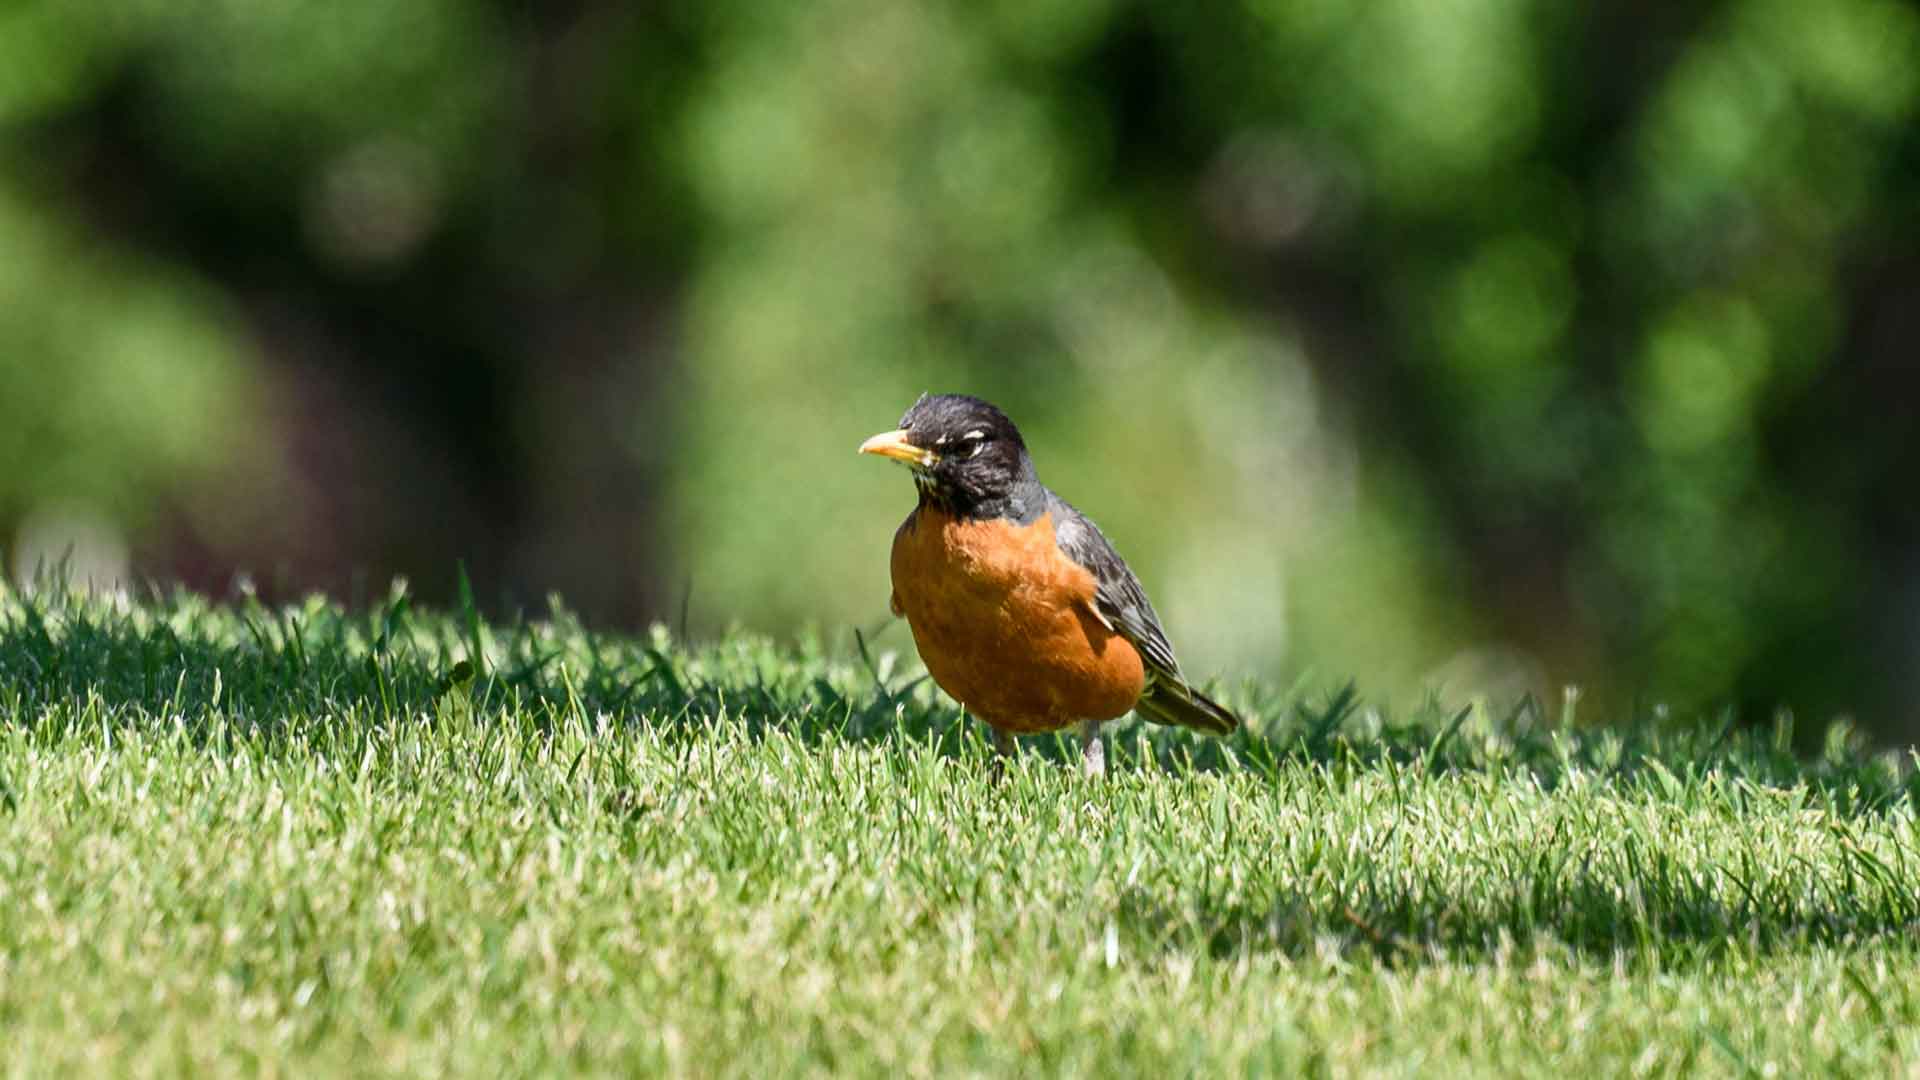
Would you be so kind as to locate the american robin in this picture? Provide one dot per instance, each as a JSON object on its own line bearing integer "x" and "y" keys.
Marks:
{"x": 1019, "y": 605}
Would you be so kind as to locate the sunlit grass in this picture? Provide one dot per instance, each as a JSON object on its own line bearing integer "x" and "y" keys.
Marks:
{"x": 234, "y": 838}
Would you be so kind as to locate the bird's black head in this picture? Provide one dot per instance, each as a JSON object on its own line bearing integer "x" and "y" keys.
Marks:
{"x": 967, "y": 458}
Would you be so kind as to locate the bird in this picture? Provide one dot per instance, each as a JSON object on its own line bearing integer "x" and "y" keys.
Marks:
{"x": 1019, "y": 605}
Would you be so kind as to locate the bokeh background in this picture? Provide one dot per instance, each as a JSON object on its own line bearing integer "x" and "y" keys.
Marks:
{"x": 1484, "y": 344}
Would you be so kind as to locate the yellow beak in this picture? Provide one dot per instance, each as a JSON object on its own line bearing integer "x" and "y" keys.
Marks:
{"x": 894, "y": 444}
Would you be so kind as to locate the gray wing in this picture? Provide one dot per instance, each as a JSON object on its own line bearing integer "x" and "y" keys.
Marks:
{"x": 1119, "y": 600}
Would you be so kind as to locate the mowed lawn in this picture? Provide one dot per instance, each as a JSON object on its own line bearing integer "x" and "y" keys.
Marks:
{"x": 236, "y": 840}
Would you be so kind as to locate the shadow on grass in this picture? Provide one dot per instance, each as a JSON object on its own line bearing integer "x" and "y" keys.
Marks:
{"x": 68, "y": 659}
{"x": 281, "y": 671}
{"x": 1665, "y": 916}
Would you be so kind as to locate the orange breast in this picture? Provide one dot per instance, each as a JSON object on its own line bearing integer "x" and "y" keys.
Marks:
{"x": 1005, "y": 623}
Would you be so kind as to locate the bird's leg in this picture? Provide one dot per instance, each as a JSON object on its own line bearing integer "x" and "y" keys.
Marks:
{"x": 1093, "y": 756}
{"x": 1004, "y": 749}
{"x": 1003, "y": 743}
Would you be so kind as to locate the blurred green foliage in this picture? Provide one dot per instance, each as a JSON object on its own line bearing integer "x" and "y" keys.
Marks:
{"x": 1492, "y": 342}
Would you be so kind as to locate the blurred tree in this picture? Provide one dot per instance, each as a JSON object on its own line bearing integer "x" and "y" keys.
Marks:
{"x": 1499, "y": 341}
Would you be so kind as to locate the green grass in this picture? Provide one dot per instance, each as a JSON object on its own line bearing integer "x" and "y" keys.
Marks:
{"x": 236, "y": 840}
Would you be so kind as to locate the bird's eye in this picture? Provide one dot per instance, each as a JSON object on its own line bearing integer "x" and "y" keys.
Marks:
{"x": 975, "y": 441}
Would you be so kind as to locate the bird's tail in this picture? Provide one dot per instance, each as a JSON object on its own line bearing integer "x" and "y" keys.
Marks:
{"x": 1172, "y": 701}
